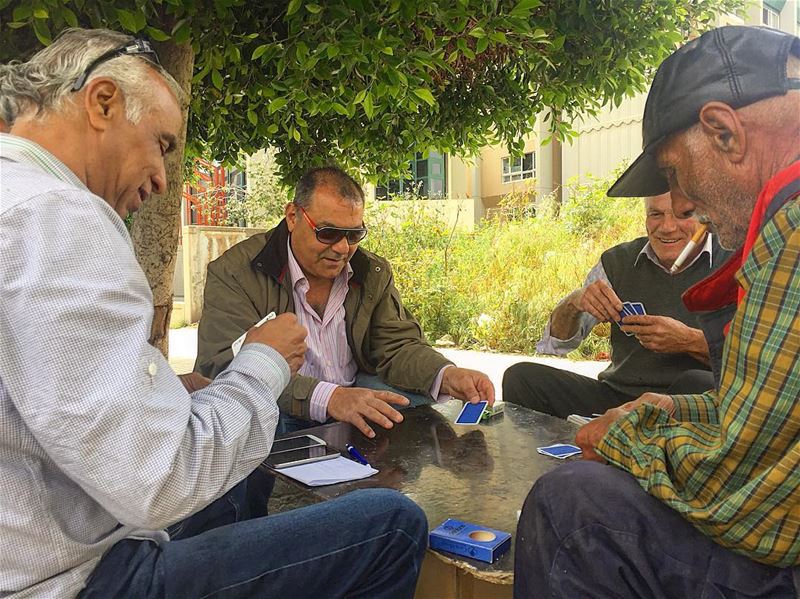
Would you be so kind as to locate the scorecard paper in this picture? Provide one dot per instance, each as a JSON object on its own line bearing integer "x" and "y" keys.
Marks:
{"x": 328, "y": 472}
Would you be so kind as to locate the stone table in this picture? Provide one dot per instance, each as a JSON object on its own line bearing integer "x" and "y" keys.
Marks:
{"x": 479, "y": 473}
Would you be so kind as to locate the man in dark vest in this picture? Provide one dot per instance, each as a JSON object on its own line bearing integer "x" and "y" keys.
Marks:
{"x": 661, "y": 351}
{"x": 699, "y": 495}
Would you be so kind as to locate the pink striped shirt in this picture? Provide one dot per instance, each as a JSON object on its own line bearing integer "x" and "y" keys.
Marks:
{"x": 328, "y": 357}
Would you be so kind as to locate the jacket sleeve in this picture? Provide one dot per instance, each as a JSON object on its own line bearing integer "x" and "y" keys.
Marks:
{"x": 229, "y": 311}
{"x": 398, "y": 348}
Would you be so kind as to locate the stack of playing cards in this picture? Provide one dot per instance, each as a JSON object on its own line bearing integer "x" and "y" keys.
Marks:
{"x": 559, "y": 450}
{"x": 631, "y": 309}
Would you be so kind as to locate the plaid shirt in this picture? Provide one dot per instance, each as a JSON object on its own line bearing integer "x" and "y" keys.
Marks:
{"x": 99, "y": 440}
{"x": 729, "y": 461}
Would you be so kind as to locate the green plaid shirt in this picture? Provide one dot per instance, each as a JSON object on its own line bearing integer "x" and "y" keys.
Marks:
{"x": 729, "y": 461}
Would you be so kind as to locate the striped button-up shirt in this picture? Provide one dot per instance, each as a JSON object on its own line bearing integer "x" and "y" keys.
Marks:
{"x": 729, "y": 461}
{"x": 99, "y": 440}
{"x": 328, "y": 356}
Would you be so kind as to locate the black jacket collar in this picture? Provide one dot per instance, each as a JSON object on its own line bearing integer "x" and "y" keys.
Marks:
{"x": 273, "y": 260}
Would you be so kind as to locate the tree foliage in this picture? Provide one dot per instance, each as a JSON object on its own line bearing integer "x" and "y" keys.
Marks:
{"x": 367, "y": 83}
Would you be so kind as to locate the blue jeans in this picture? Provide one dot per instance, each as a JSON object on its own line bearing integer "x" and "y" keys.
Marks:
{"x": 590, "y": 530}
{"x": 368, "y": 543}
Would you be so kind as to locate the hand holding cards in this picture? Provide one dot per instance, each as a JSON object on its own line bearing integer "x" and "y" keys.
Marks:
{"x": 237, "y": 345}
{"x": 630, "y": 309}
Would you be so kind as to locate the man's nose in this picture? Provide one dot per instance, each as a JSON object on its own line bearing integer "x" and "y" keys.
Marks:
{"x": 341, "y": 246}
{"x": 159, "y": 180}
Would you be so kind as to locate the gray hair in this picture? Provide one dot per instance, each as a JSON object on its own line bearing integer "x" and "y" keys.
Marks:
{"x": 44, "y": 83}
{"x": 346, "y": 187}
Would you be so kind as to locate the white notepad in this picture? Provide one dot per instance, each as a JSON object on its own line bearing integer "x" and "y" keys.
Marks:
{"x": 328, "y": 472}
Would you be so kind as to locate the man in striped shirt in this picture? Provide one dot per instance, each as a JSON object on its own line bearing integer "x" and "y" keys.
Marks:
{"x": 713, "y": 504}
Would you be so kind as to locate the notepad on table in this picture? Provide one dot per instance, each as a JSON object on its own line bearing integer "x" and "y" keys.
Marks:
{"x": 328, "y": 472}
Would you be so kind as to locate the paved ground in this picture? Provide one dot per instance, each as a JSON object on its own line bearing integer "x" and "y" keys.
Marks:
{"x": 183, "y": 349}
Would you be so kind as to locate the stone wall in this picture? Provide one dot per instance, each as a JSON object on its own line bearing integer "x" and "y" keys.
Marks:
{"x": 200, "y": 246}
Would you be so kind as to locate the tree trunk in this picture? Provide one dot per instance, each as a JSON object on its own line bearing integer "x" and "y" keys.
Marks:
{"x": 156, "y": 225}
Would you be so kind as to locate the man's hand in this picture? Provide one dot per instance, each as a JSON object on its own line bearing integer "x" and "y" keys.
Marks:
{"x": 194, "y": 381}
{"x": 285, "y": 335}
{"x": 467, "y": 385}
{"x": 599, "y": 300}
{"x": 357, "y": 405}
{"x": 663, "y": 334}
{"x": 589, "y": 435}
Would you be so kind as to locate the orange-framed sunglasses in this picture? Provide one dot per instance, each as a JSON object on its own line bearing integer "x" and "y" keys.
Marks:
{"x": 331, "y": 235}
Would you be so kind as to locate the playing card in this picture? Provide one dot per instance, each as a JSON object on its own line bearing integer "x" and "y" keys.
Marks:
{"x": 560, "y": 451}
{"x": 237, "y": 345}
{"x": 638, "y": 308}
{"x": 627, "y": 310}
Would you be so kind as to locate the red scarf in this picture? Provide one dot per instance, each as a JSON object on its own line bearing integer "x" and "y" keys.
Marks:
{"x": 720, "y": 289}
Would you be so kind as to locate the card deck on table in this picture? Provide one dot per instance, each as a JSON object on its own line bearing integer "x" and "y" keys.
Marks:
{"x": 559, "y": 450}
{"x": 471, "y": 413}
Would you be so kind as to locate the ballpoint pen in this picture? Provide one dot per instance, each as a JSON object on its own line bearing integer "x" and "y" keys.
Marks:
{"x": 356, "y": 455}
{"x": 698, "y": 235}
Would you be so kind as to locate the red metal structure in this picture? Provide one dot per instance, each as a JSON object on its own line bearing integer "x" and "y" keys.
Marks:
{"x": 205, "y": 199}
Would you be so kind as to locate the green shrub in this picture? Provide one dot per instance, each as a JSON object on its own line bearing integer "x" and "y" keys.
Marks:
{"x": 495, "y": 287}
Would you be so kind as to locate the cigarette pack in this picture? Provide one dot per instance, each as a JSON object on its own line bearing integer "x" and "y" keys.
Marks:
{"x": 470, "y": 540}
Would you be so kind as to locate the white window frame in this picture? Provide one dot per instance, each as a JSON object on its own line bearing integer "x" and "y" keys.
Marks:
{"x": 511, "y": 169}
{"x": 770, "y": 17}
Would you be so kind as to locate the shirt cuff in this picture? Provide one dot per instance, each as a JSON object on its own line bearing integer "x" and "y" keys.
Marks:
{"x": 252, "y": 360}
{"x": 437, "y": 386}
{"x": 558, "y": 347}
{"x": 320, "y": 397}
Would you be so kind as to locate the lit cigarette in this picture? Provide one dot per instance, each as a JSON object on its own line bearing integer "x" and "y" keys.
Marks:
{"x": 698, "y": 235}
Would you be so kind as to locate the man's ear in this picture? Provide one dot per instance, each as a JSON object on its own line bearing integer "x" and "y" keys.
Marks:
{"x": 291, "y": 216}
{"x": 721, "y": 124}
{"x": 103, "y": 102}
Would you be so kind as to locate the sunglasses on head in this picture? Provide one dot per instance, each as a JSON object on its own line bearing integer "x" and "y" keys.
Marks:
{"x": 332, "y": 235}
{"x": 136, "y": 47}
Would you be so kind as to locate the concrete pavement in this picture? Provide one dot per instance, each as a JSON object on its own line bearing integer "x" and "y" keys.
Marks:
{"x": 183, "y": 350}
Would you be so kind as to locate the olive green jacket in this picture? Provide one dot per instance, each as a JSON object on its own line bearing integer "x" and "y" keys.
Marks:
{"x": 251, "y": 280}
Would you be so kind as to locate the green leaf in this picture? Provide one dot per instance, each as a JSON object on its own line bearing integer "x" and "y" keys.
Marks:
{"x": 524, "y": 7}
{"x": 337, "y": 107}
{"x": 425, "y": 95}
{"x": 16, "y": 25}
{"x": 22, "y": 13}
{"x": 157, "y": 34}
{"x": 296, "y": 134}
{"x": 272, "y": 129}
{"x": 368, "y": 107}
{"x": 127, "y": 20}
{"x": 294, "y": 6}
{"x": 252, "y": 117}
{"x": 314, "y": 8}
{"x": 216, "y": 79}
{"x": 387, "y": 50}
{"x": 42, "y": 32}
{"x": 69, "y": 17}
{"x": 276, "y": 104}
{"x": 259, "y": 52}
{"x": 482, "y": 44}
{"x": 360, "y": 97}
{"x": 40, "y": 13}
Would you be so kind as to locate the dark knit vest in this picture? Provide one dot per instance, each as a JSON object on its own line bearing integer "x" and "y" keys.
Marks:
{"x": 634, "y": 369}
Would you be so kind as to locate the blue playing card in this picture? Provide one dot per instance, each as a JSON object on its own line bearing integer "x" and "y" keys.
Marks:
{"x": 638, "y": 308}
{"x": 559, "y": 450}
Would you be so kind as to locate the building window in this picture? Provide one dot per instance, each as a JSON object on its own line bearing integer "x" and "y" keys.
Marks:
{"x": 517, "y": 169}
{"x": 770, "y": 17}
{"x": 428, "y": 178}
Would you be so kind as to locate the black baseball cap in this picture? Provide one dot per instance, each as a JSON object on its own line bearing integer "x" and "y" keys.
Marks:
{"x": 735, "y": 65}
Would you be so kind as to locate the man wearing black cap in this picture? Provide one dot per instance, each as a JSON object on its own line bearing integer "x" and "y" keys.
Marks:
{"x": 699, "y": 495}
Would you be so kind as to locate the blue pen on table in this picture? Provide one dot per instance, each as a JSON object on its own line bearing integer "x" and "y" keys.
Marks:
{"x": 356, "y": 455}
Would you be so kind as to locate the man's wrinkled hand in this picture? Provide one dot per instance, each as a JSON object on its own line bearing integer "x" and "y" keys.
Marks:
{"x": 284, "y": 334}
{"x": 660, "y": 334}
{"x": 590, "y": 434}
{"x": 467, "y": 385}
{"x": 599, "y": 300}
{"x": 194, "y": 381}
{"x": 356, "y": 405}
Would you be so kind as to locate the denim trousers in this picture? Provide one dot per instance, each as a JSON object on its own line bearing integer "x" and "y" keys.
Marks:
{"x": 368, "y": 543}
{"x": 590, "y": 530}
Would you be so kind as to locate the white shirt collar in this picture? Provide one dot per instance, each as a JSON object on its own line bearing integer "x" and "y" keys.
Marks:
{"x": 650, "y": 253}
